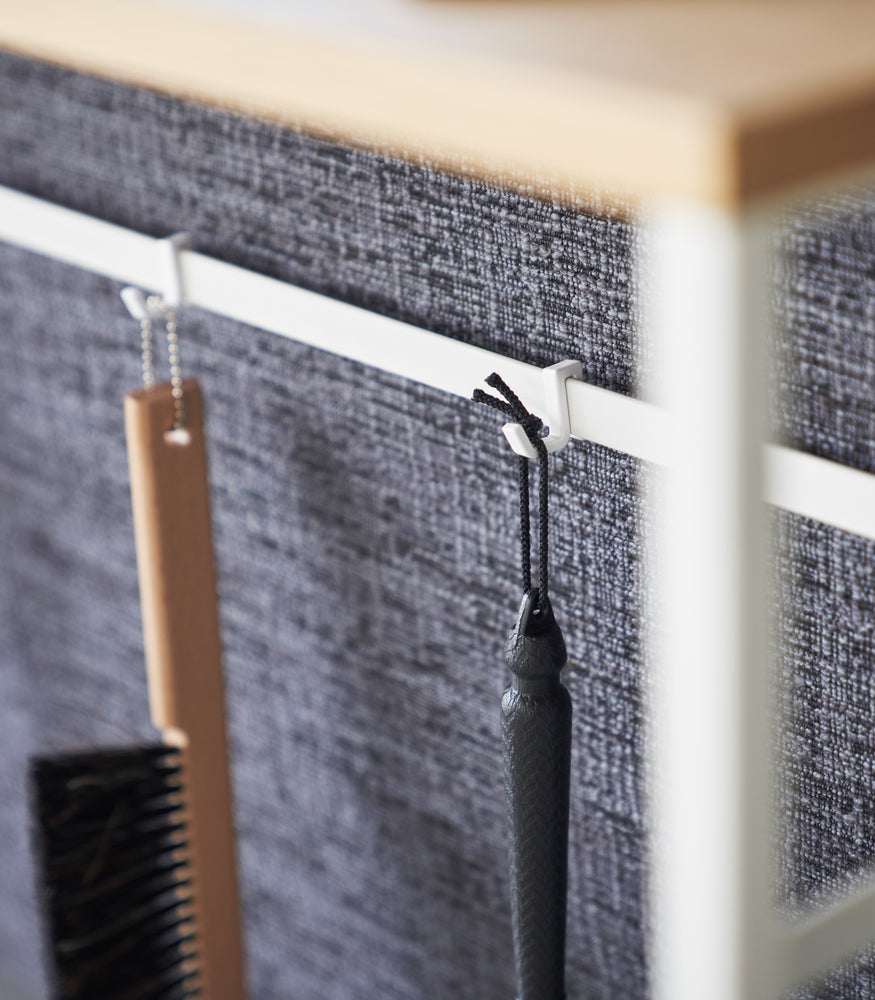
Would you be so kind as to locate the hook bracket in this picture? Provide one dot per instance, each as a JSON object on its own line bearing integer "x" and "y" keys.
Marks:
{"x": 171, "y": 297}
{"x": 556, "y": 417}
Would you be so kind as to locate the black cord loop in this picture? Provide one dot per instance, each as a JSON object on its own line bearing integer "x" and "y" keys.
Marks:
{"x": 511, "y": 406}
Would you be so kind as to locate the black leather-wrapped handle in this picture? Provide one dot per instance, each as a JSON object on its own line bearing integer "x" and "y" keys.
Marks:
{"x": 536, "y": 740}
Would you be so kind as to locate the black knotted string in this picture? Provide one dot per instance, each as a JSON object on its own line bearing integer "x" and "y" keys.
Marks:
{"x": 511, "y": 406}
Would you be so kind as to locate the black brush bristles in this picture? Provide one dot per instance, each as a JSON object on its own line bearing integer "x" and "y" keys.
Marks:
{"x": 111, "y": 856}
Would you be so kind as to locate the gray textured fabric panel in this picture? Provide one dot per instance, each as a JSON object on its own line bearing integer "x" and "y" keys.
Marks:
{"x": 364, "y": 727}
{"x": 367, "y": 586}
{"x": 408, "y": 897}
{"x": 526, "y": 277}
{"x": 824, "y": 403}
{"x": 827, "y": 588}
{"x": 824, "y": 395}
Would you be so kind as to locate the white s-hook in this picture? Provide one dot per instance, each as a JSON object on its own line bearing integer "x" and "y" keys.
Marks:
{"x": 556, "y": 417}
{"x": 170, "y": 296}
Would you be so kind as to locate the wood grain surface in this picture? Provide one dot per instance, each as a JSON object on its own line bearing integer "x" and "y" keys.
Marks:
{"x": 170, "y": 499}
{"x": 721, "y": 100}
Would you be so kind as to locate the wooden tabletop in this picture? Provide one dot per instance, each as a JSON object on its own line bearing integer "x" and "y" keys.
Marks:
{"x": 604, "y": 99}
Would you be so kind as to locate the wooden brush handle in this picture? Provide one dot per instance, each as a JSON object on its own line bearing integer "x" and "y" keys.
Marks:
{"x": 171, "y": 507}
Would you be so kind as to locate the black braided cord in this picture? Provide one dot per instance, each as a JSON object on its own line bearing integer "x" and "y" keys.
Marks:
{"x": 511, "y": 406}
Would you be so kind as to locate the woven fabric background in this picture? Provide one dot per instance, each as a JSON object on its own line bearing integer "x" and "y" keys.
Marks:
{"x": 366, "y": 540}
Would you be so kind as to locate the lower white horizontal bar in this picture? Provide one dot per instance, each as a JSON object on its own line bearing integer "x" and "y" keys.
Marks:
{"x": 833, "y": 936}
{"x": 800, "y": 483}
{"x": 821, "y": 490}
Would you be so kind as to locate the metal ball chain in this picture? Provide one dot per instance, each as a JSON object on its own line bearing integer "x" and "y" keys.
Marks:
{"x": 146, "y": 348}
{"x": 175, "y": 371}
{"x": 155, "y": 302}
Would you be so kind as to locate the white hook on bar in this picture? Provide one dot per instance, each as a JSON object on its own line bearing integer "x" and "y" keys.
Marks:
{"x": 156, "y": 307}
{"x": 556, "y": 417}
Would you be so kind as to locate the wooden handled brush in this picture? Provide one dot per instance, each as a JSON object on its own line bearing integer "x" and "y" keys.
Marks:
{"x": 170, "y": 498}
{"x": 136, "y": 845}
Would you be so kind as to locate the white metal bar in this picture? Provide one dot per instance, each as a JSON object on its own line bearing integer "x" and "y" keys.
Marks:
{"x": 830, "y": 937}
{"x": 81, "y": 240}
{"x": 712, "y": 920}
{"x": 810, "y": 486}
{"x": 613, "y": 420}
{"x": 822, "y": 490}
{"x": 616, "y": 421}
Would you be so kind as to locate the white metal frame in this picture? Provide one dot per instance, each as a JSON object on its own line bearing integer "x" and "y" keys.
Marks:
{"x": 711, "y": 881}
{"x": 715, "y": 933}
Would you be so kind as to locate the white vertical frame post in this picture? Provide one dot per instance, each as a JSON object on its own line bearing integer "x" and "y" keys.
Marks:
{"x": 712, "y": 927}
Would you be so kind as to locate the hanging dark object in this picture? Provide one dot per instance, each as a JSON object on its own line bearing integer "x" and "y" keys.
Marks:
{"x": 536, "y": 745}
